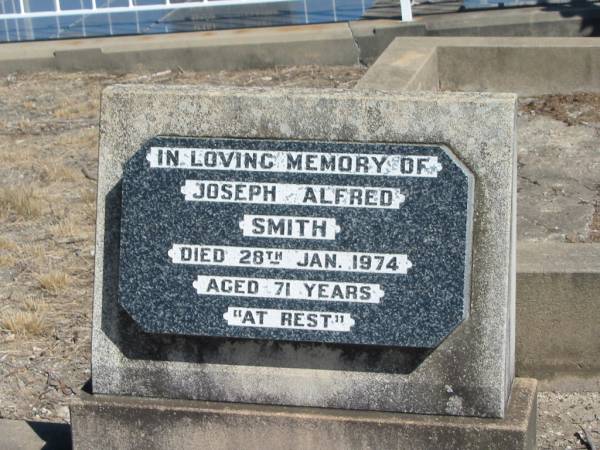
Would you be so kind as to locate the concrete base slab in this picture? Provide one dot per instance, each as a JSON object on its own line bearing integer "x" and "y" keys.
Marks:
{"x": 558, "y": 288}
{"x": 111, "y": 422}
{"x": 22, "y": 435}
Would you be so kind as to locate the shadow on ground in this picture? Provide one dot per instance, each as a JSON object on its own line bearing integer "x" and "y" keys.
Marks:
{"x": 588, "y": 11}
{"x": 56, "y": 436}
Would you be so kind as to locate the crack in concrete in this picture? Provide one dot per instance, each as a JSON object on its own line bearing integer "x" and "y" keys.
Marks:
{"x": 359, "y": 59}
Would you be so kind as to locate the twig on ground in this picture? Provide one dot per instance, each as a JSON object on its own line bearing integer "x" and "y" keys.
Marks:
{"x": 70, "y": 241}
{"x": 152, "y": 75}
{"x": 585, "y": 439}
{"x": 529, "y": 180}
{"x": 88, "y": 175}
{"x": 42, "y": 238}
{"x": 591, "y": 125}
{"x": 53, "y": 381}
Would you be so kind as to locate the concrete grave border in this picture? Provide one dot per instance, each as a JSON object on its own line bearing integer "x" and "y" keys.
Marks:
{"x": 325, "y": 44}
{"x": 525, "y": 65}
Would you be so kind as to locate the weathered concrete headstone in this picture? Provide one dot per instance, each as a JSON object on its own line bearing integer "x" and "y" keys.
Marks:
{"x": 313, "y": 248}
{"x": 296, "y": 240}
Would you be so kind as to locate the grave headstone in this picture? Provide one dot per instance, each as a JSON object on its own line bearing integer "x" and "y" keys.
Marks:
{"x": 296, "y": 240}
{"x": 316, "y": 248}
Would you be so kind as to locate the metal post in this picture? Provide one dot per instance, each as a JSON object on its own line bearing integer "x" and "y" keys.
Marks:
{"x": 29, "y": 31}
{"x": 110, "y": 28}
{"x": 305, "y": 12}
{"x": 5, "y": 22}
{"x": 137, "y": 19}
{"x": 83, "y": 30}
{"x": 16, "y": 22}
{"x": 406, "y": 10}
{"x": 57, "y": 9}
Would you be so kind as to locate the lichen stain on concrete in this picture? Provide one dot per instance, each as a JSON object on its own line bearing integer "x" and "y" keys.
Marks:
{"x": 454, "y": 405}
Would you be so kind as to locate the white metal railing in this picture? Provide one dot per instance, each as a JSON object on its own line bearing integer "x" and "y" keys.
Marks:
{"x": 19, "y": 15}
{"x": 167, "y": 5}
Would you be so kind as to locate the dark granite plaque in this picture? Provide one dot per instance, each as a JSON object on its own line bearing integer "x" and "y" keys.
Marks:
{"x": 350, "y": 243}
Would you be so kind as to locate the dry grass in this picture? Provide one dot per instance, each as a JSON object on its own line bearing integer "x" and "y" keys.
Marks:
{"x": 7, "y": 260}
{"x": 66, "y": 229}
{"x": 54, "y": 282}
{"x": 29, "y": 320}
{"x": 70, "y": 110}
{"x": 88, "y": 196}
{"x": 24, "y": 158}
{"x": 24, "y": 323}
{"x": 74, "y": 142}
{"x": 88, "y": 209}
{"x": 56, "y": 171}
{"x": 7, "y": 245}
{"x": 33, "y": 252}
{"x": 32, "y": 304}
{"x": 48, "y": 124}
{"x": 22, "y": 201}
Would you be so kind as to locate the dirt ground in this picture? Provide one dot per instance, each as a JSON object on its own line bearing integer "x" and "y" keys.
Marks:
{"x": 559, "y": 168}
{"x": 48, "y": 161}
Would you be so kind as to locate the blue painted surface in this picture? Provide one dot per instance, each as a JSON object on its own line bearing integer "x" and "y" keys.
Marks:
{"x": 481, "y": 4}
{"x": 151, "y": 22}
{"x": 419, "y": 308}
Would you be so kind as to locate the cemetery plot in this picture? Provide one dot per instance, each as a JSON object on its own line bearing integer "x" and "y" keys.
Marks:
{"x": 43, "y": 112}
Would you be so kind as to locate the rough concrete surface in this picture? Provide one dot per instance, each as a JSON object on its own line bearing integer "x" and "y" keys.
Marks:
{"x": 449, "y": 18}
{"x": 412, "y": 70}
{"x": 123, "y": 423}
{"x": 558, "y": 288}
{"x": 468, "y": 374}
{"x": 373, "y": 36}
{"x": 327, "y": 44}
{"x": 527, "y": 66}
{"x": 561, "y": 417}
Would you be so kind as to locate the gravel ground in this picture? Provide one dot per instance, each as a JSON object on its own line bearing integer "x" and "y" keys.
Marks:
{"x": 568, "y": 420}
{"x": 559, "y": 168}
{"x": 48, "y": 160}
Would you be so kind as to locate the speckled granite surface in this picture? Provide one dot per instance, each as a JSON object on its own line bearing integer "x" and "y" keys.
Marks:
{"x": 416, "y": 307}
